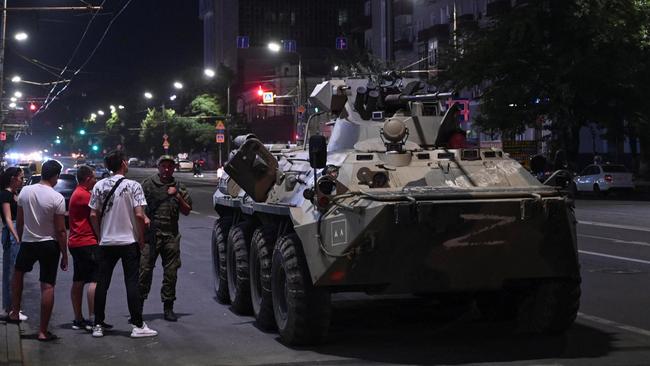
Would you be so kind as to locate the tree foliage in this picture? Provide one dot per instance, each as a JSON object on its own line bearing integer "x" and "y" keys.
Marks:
{"x": 572, "y": 61}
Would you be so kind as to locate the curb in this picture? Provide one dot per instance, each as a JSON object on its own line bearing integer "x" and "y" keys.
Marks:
{"x": 11, "y": 353}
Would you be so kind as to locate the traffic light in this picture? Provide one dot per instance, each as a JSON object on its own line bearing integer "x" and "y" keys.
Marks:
{"x": 260, "y": 91}
{"x": 82, "y": 132}
{"x": 95, "y": 148}
{"x": 57, "y": 141}
{"x": 32, "y": 107}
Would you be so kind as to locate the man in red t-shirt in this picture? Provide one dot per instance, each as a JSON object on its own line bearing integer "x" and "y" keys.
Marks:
{"x": 83, "y": 247}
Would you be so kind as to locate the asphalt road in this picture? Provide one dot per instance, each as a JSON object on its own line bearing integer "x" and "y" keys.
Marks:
{"x": 613, "y": 327}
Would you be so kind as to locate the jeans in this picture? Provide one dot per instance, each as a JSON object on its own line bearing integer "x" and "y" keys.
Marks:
{"x": 10, "y": 249}
{"x": 130, "y": 256}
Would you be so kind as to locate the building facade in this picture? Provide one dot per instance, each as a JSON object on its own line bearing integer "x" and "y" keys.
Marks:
{"x": 237, "y": 33}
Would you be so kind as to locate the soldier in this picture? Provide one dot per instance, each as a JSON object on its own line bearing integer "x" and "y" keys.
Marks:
{"x": 166, "y": 198}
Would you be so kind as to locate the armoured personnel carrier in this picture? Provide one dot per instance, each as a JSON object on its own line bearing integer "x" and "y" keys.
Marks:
{"x": 392, "y": 202}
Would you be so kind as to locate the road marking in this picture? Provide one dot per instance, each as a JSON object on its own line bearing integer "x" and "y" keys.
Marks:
{"x": 642, "y": 243}
{"x": 199, "y": 213}
{"x": 614, "y": 324}
{"x": 614, "y": 257}
{"x": 604, "y": 224}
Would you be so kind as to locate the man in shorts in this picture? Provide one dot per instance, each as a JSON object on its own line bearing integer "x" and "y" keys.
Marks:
{"x": 83, "y": 247}
{"x": 40, "y": 221}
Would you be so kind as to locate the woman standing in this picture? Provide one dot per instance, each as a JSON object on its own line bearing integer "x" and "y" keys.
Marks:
{"x": 10, "y": 183}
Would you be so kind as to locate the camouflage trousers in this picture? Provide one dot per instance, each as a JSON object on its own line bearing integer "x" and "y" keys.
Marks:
{"x": 168, "y": 247}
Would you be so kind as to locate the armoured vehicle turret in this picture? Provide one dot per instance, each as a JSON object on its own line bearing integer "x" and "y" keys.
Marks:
{"x": 389, "y": 201}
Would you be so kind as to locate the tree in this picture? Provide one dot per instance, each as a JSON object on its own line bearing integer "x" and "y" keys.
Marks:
{"x": 574, "y": 62}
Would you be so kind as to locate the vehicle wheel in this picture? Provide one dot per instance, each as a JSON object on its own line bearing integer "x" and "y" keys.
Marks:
{"x": 239, "y": 240}
{"x": 219, "y": 244}
{"x": 302, "y": 311}
{"x": 549, "y": 307}
{"x": 261, "y": 257}
{"x": 497, "y": 306}
{"x": 598, "y": 191}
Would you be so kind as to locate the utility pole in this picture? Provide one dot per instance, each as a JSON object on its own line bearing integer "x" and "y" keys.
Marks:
{"x": 2, "y": 74}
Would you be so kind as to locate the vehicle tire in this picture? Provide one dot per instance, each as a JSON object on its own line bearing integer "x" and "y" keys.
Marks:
{"x": 549, "y": 307}
{"x": 261, "y": 257}
{"x": 239, "y": 239}
{"x": 497, "y": 306}
{"x": 219, "y": 244}
{"x": 302, "y": 311}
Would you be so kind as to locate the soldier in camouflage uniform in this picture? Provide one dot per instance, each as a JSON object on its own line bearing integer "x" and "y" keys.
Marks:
{"x": 165, "y": 199}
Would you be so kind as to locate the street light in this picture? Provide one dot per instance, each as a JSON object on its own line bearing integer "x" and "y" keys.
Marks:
{"x": 12, "y": 105}
{"x": 18, "y": 94}
{"x": 148, "y": 95}
{"x": 275, "y": 48}
{"x": 16, "y": 79}
{"x": 13, "y": 99}
{"x": 120, "y": 106}
{"x": 209, "y": 72}
{"x": 100, "y": 112}
{"x": 178, "y": 85}
{"x": 173, "y": 97}
{"x": 21, "y": 36}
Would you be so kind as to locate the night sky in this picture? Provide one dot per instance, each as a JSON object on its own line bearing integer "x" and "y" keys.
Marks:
{"x": 152, "y": 43}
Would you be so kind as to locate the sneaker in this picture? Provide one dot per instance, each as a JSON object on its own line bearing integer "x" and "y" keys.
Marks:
{"x": 81, "y": 324}
{"x": 98, "y": 331}
{"x": 106, "y": 326}
{"x": 22, "y": 316}
{"x": 143, "y": 331}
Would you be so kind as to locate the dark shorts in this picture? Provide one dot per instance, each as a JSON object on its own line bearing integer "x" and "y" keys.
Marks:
{"x": 46, "y": 253}
{"x": 86, "y": 263}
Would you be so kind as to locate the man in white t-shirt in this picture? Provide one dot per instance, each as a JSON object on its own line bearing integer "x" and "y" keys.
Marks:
{"x": 41, "y": 228}
{"x": 117, "y": 214}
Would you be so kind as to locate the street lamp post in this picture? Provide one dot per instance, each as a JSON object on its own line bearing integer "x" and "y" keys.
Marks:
{"x": 211, "y": 73}
{"x": 275, "y": 47}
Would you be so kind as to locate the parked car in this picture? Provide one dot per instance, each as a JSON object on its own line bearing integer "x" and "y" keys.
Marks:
{"x": 135, "y": 162}
{"x": 65, "y": 185}
{"x": 100, "y": 171}
{"x": 184, "y": 166}
{"x": 604, "y": 178}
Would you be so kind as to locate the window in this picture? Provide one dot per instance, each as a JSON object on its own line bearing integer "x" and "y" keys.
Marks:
{"x": 343, "y": 17}
{"x": 432, "y": 53}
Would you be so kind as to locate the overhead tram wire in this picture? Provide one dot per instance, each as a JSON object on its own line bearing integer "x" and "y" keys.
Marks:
{"x": 99, "y": 43}
{"x": 74, "y": 53}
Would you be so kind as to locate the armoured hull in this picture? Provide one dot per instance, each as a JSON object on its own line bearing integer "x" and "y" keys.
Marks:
{"x": 450, "y": 245}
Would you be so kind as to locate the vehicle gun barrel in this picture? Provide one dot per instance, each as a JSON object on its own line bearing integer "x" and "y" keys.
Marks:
{"x": 400, "y": 98}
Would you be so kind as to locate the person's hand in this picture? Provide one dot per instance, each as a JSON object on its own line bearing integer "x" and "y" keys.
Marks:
{"x": 171, "y": 191}
{"x": 64, "y": 262}
{"x": 147, "y": 222}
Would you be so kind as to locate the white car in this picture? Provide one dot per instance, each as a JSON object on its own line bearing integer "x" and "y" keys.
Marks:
{"x": 604, "y": 178}
{"x": 184, "y": 166}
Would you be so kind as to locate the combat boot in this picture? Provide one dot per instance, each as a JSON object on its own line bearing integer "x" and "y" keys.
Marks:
{"x": 169, "y": 312}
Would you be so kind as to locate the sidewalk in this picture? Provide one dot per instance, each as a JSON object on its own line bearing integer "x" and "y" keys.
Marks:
{"x": 11, "y": 353}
